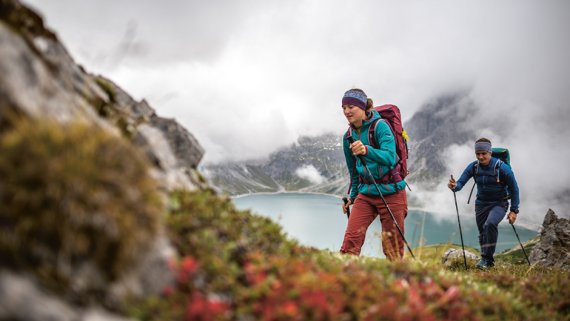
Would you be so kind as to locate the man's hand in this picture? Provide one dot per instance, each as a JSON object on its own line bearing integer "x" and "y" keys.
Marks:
{"x": 451, "y": 184}
{"x": 358, "y": 148}
{"x": 512, "y": 217}
{"x": 346, "y": 205}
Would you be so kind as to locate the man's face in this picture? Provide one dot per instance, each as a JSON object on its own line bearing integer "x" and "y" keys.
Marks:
{"x": 484, "y": 157}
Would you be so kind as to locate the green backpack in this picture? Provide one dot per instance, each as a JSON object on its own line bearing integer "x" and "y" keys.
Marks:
{"x": 502, "y": 154}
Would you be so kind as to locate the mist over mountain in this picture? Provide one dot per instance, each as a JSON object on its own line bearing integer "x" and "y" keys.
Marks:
{"x": 442, "y": 133}
{"x": 312, "y": 164}
{"x": 439, "y": 124}
{"x": 316, "y": 164}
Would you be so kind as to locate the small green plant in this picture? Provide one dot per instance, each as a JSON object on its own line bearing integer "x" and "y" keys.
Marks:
{"x": 74, "y": 200}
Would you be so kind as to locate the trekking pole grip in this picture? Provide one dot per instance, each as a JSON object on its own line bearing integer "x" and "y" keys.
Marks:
{"x": 345, "y": 200}
{"x": 351, "y": 140}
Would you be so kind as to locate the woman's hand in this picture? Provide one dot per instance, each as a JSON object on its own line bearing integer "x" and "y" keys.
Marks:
{"x": 358, "y": 148}
{"x": 346, "y": 205}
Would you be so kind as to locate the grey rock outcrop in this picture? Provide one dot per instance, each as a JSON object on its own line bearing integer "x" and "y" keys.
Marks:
{"x": 22, "y": 299}
{"x": 40, "y": 79}
{"x": 553, "y": 248}
{"x": 454, "y": 258}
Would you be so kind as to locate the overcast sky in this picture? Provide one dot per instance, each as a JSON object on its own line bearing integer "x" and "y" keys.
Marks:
{"x": 246, "y": 77}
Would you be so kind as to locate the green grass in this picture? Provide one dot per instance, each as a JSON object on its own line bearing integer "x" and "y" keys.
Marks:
{"x": 516, "y": 255}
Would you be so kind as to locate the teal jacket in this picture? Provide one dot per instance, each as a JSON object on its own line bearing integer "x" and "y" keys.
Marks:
{"x": 379, "y": 161}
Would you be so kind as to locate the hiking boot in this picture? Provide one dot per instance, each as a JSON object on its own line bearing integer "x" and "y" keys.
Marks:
{"x": 483, "y": 264}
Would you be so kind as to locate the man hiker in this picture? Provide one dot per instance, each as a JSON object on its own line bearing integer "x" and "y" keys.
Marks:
{"x": 363, "y": 158}
{"x": 496, "y": 183}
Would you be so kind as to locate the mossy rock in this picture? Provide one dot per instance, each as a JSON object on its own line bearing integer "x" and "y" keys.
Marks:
{"x": 77, "y": 206}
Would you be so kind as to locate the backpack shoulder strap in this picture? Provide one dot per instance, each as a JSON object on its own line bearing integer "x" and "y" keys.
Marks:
{"x": 498, "y": 165}
{"x": 347, "y": 134}
{"x": 475, "y": 170}
{"x": 345, "y": 137}
{"x": 372, "y": 133}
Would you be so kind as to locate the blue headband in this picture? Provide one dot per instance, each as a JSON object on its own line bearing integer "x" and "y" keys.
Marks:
{"x": 483, "y": 146}
{"x": 356, "y": 98}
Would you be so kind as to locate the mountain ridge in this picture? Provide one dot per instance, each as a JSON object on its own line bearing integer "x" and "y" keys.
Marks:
{"x": 278, "y": 171}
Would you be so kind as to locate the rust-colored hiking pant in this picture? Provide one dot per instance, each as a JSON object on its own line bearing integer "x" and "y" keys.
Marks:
{"x": 364, "y": 212}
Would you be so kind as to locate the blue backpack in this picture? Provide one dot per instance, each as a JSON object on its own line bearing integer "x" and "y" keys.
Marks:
{"x": 503, "y": 155}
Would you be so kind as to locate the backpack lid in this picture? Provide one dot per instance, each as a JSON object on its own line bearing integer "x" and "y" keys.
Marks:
{"x": 502, "y": 154}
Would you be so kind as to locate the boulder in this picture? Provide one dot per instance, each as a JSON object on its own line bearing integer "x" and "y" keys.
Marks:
{"x": 454, "y": 258}
{"x": 553, "y": 248}
{"x": 22, "y": 299}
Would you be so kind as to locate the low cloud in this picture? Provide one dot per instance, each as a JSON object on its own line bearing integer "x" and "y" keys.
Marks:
{"x": 310, "y": 173}
{"x": 277, "y": 70}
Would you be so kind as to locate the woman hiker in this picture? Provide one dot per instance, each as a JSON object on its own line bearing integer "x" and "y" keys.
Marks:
{"x": 363, "y": 195}
{"x": 496, "y": 183}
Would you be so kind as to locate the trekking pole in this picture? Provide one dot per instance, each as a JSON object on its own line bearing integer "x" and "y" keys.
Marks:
{"x": 459, "y": 222}
{"x": 351, "y": 140}
{"x": 522, "y": 247}
{"x": 470, "y": 193}
{"x": 345, "y": 200}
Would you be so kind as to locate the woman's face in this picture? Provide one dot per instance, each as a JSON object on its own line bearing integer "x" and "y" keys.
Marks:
{"x": 354, "y": 114}
{"x": 483, "y": 157}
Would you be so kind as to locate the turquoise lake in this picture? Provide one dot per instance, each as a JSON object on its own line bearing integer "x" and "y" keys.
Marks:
{"x": 317, "y": 220}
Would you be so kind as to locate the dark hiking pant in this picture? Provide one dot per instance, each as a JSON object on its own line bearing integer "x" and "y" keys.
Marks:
{"x": 363, "y": 213}
{"x": 488, "y": 217}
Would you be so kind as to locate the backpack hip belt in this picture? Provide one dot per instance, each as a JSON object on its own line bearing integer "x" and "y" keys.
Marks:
{"x": 393, "y": 176}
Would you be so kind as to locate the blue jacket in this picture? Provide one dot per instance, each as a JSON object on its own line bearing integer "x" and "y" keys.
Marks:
{"x": 380, "y": 161}
{"x": 488, "y": 190}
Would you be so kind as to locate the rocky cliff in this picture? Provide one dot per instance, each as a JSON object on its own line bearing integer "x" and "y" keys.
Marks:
{"x": 438, "y": 124}
{"x": 39, "y": 79}
{"x": 81, "y": 164}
